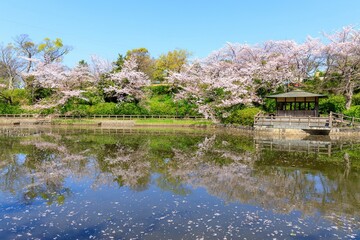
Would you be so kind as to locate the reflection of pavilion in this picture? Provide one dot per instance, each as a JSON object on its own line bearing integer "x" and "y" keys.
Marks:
{"x": 321, "y": 145}
{"x": 306, "y": 146}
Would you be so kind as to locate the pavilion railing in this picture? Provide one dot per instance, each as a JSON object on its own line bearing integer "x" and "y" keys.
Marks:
{"x": 292, "y": 122}
{"x": 333, "y": 120}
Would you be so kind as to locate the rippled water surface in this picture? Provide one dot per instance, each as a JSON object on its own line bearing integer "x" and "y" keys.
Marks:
{"x": 58, "y": 183}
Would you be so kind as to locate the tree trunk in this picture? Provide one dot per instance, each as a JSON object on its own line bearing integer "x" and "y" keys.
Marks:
{"x": 11, "y": 83}
{"x": 29, "y": 63}
{"x": 348, "y": 96}
{"x": 348, "y": 101}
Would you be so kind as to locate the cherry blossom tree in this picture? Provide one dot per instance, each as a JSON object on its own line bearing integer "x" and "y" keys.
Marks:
{"x": 229, "y": 77}
{"x": 127, "y": 84}
{"x": 237, "y": 74}
{"x": 306, "y": 59}
{"x": 80, "y": 77}
{"x": 100, "y": 67}
{"x": 50, "y": 75}
{"x": 342, "y": 61}
{"x": 234, "y": 74}
{"x": 213, "y": 86}
{"x": 65, "y": 82}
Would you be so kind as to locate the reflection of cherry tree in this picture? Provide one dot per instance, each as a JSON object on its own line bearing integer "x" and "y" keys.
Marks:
{"x": 278, "y": 188}
{"x": 127, "y": 166}
{"x": 42, "y": 172}
{"x": 226, "y": 166}
{"x": 12, "y": 173}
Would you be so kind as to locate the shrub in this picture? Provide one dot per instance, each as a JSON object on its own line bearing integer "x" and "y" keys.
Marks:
{"x": 269, "y": 105}
{"x": 15, "y": 97}
{"x": 102, "y": 109}
{"x": 334, "y": 103}
{"x": 161, "y": 105}
{"x": 184, "y": 108}
{"x": 243, "y": 117}
{"x": 355, "y": 99}
{"x": 79, "y": 110}
{"x": 160, "y": 89}
{"x": 92, "y": 98}
{"x": 41, "y": 93}
{"x": 47, "y": 111}
{"x": 165, "y": 105}
{"x": 354, "y": 111}
{"x": 10, "y": 109}
{"x": 130, "y": 109}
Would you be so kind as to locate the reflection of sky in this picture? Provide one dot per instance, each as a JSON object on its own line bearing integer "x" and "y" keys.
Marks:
{"x": 319, "y": 192}
{"x": 321, "y": 187}
{"x": 318, "y": 184}
{"x": 20, "y": 158}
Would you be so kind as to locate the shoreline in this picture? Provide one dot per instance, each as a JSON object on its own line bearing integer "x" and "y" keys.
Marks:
{"x": 171, "y": 123}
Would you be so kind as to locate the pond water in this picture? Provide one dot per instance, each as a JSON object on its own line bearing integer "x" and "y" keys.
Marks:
{"x": 64, "y": 183}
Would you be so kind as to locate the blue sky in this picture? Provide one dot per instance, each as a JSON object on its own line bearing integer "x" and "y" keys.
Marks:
{"x": 109, "y": 27}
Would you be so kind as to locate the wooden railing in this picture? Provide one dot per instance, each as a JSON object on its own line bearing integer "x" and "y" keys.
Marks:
{"x": 292, "y": 122}
{"x": 341, "y": 120}
{"x": 113, "y": 117}
{"x": 23, "y": 116}
{"x": 333, "y": 120}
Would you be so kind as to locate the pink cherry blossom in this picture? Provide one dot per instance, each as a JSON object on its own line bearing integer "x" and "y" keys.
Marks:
{"x": 128, "y": 83}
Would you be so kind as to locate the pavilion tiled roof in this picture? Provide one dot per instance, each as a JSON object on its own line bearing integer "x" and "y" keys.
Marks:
{"x": 296, "y": 93}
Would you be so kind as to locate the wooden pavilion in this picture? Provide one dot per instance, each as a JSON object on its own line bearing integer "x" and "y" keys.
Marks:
{"x": 297, "y": 103}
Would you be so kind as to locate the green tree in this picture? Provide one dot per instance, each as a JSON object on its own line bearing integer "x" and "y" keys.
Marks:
{"x": 143, "y": 59}
{"x": 172, "y": 61}
{"x": 83, "y": 63}
{"x": 119, "y": 63}
{"x": 53, "y": 50}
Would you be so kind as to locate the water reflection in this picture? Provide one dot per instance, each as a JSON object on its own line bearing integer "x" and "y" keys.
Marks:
{"x": 313, "y": 176}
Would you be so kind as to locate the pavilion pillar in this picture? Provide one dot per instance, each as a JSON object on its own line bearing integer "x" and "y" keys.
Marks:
{"x": 316, "y": 106}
